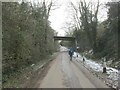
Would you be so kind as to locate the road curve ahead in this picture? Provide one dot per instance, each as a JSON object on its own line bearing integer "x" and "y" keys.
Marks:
{"x": 66, "y": 74}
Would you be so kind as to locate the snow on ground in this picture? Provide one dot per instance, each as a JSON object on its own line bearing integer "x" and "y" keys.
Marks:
{"x": 92, "y": 64}
{"x": 112, "y": 73}
{"x": 62, "y": 48}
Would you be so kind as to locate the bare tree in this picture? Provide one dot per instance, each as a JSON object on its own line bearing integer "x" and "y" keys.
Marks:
{"x": 87, "y": 20}
{"x": 47, "y": 7}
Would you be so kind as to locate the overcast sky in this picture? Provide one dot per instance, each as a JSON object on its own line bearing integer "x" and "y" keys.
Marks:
{"x": 61, "y": 15}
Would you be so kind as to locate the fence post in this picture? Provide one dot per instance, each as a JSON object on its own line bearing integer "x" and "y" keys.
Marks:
{"x": 104, "y": 66}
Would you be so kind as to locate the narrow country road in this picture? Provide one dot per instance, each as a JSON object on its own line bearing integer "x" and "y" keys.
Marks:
{"x": 66, "y": 74}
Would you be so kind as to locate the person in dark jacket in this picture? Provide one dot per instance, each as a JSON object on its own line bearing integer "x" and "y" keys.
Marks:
{"x": 71, "y": 52}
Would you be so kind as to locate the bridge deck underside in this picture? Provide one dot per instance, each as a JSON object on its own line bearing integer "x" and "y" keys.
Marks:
{"x": 64, "y": 38}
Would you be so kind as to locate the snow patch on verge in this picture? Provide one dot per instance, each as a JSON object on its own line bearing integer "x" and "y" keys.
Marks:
{"x": 112, "y": 73}
{"x": 62, "y": 48}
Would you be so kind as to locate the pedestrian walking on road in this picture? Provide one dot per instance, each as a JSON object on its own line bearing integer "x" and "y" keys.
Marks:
{"x": 71, "y": 52}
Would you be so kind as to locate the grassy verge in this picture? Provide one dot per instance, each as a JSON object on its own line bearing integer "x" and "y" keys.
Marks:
{"x": 18, "y": 79}
{"x": 88, "y": 56}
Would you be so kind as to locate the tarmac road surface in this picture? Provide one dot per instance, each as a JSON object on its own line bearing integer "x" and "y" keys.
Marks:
{"x": 64, "y": 73}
